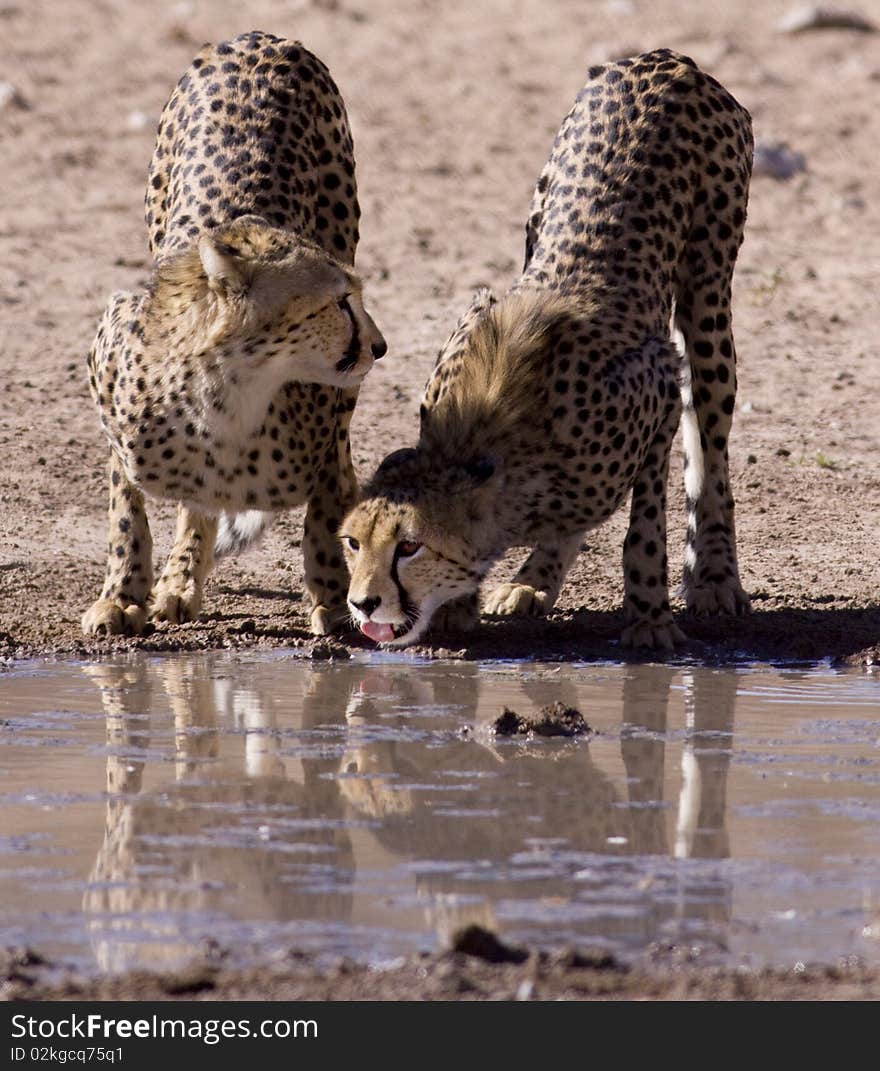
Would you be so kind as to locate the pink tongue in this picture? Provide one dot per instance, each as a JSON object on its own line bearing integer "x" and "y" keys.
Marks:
{"x": 377, "y": 632}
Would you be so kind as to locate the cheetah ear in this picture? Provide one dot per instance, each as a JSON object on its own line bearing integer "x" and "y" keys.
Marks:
{"x": 481, "y": 469}
{"x": 223, "y": 266}
{"x": 396, "y": 459}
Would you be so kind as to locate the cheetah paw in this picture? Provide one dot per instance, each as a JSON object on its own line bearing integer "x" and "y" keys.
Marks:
{"x": 646, "y": 634}
{"x": 728, "y": 598}
{"x": 108, "y": 618}
{"x": 172, "y": 606}
{"x": 458, "y": 615}
{"x": 519, "y": 599}
{"x": 326, "y": 619}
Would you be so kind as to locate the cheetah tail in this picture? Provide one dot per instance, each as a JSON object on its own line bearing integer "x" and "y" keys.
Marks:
{"x": 240, "y": 531}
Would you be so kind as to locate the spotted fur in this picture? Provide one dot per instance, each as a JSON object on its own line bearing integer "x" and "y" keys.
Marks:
{"x": 229, "y": 384}
{"x": 546, "y": 409}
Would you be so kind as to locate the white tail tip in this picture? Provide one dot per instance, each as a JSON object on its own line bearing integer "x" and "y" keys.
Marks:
{"x": 240, "y": 531}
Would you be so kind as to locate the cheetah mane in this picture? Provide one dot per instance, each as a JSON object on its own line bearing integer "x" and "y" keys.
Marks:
{"x": 491, "y": 398}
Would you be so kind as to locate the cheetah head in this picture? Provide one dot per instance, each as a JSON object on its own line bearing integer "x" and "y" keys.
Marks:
{"x": 253, "y": 294}
{"x": 417, "y": 539}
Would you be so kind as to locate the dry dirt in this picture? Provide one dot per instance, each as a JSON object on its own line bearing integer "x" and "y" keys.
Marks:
{"x": 453, "y": 107}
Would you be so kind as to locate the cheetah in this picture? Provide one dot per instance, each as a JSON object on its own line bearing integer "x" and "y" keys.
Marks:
{"x": 548, "y": 407}
{"x": 229, "y": 384}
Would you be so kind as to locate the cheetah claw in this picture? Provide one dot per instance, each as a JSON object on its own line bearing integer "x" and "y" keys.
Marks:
{"x": 516, "y": 599}
{"x": 326, "y": 619}
{"x": 458, "y": 615}
{"x": 176, "y": 609}
{"x": 108, "y": 618}
{"x": 645, "y": 634}
{"x": 708, "y": 599}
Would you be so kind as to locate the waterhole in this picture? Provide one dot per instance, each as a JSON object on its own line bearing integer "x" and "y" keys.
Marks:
{"x": 154, "y": 809}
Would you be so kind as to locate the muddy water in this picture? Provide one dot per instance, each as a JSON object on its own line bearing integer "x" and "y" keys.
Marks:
{"x": 151, "y": 808}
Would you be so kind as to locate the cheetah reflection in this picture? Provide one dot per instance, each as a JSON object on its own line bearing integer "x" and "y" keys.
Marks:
{"x": 183, "y": 847}
{"x": 538, "y": 798}
{"x": 389, "y": 782}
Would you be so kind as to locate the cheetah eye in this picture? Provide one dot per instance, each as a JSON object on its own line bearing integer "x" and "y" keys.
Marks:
{"x": 407, "y": 548}
{"x": 351, "y": 543}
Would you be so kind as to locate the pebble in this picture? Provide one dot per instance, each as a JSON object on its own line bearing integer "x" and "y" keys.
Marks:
{"x": 477, "y": 941}
{"x": 11, "y": 97}
{"x": 777, "y": 160}
{"x": 325, "y": 650}
{"x": 138, "y": 120}
{"x": 554, "y": 720}
{"x": 818, "y": 17}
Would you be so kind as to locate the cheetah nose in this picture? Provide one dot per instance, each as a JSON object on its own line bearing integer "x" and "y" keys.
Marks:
{"x": 367, "y": 606}
{"x": 379, "y": 349}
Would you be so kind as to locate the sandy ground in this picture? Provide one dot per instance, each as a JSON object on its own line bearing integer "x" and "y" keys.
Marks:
{"x": 443, "y": 976}
{"x": 453, "y": 107}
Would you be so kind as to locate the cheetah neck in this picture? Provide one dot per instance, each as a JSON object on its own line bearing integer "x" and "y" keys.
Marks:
{"x": 225, "y": 383}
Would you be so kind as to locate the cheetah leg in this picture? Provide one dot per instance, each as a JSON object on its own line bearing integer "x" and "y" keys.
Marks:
{"x": 121, "y": 609}
{"x": 326, "y": 577}
{"x": 535, "y": 588}
{"x": 645, "y": 566}
{"x": 191, "y": 694}
{"x": 457, "y": 615}
{"x": 126, "y": 696}
{"x": 177, "y": 596}
{"x": 711, "y": 581}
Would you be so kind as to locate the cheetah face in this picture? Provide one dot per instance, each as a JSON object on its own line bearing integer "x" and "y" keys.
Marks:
{"x": 293, "y": 311}
{"x": 402, "y": 570}
{"x": 422, "y": 535}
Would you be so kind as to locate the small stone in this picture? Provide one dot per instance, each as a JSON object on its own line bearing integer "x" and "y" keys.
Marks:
{"x": 11, "y": 97}
{"x": 554, "y": 720}
{"x": 751, "y": 460}
{"x": 482, "y": 944}
{"x": 574, "y": 960}
{"x": 777, "y": 160}
{"x": 194, "y": 979}
{"x": 138, "y": 120}
{"x": 783, "y": 452}
{"x": 325, "y": 650}
{"x": 830, "y": 17}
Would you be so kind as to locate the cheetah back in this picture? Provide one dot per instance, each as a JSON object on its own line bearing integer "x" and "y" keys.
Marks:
{"x": 255, "y": 126}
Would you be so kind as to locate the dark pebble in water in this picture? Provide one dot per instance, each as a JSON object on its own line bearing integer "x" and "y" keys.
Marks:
{"x": 481, "y": 943}
{"x": 554, "y": 720}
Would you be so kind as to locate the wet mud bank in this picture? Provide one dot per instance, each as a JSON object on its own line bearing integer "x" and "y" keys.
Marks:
{"x": 447, "y": 976}
{"x": 846, "y": 637}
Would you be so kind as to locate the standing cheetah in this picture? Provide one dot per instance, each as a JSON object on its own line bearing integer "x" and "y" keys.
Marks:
{"x": 229, "y": 384}
{"x": 547, "y": 408}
